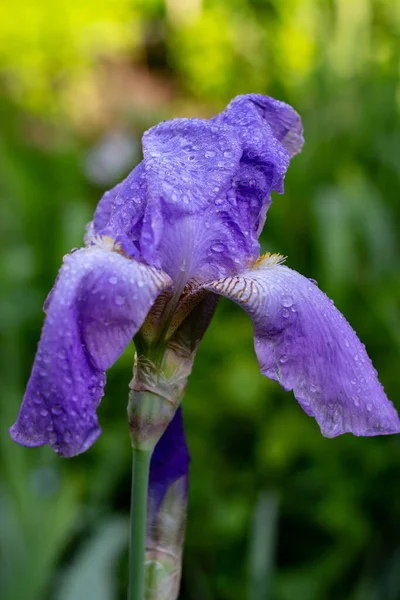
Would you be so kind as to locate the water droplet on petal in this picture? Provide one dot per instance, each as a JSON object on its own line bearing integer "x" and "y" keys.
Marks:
{"x": 369, "y": 407}
{"x": 353, "y": 381}
{"x": 44, "y": 412}
{"x": 113, "y": 280}
{"x": 119, "y": 300}
{"x": 313, "y": 388}
{"x": 287, "y": 301}
{"x": 218, "y": 247}
{"x": 285, "y": 313}
{"x": 209, "y": 154}
{"x": 283, "y": 359}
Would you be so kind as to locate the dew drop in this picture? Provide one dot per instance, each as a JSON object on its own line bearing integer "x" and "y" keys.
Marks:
{"x": 283, "y": 359}
{"x": 219, "y": 201}
{"x": 353, "y": 382}
{"x": 119, "y": 300}
{"x": 218, "y": 247}
{"x": 287, "y": 301}
{"x": 285, "y": 313}
{"x": 369, "y": 407}
{"x": 346, "y": 343}
{"x": 44, "y": 412}
{"x": 113, "y": 280}
{"x": 57, "y": 410}
{"x": 209, "y": 154}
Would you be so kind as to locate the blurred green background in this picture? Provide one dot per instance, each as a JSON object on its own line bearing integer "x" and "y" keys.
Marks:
{"x": 276, "y": 511}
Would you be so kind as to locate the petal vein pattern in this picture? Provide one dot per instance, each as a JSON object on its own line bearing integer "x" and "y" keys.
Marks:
{"x": 303, "y": 342}
{"x": 99, "y": 301}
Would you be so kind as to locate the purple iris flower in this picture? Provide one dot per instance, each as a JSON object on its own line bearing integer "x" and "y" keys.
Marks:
{"x": 178, "y": 232}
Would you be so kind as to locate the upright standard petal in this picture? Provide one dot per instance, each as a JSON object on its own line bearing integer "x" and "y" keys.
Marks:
{"x": 196, "y": 204}
{"x": 303, "y": 342}
{"x": 167, "y": 506}
{"x": 98, "y": 303}
{"x": 271, "y": 134}
{"x": 120, "y": 212}
{"x": 209, "y": 183}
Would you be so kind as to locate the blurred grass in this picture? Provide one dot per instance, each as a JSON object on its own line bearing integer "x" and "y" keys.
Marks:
{"x": 75, "y": 77}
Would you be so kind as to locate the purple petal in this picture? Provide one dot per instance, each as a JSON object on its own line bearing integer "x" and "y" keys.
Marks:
{"x": 170, "y": 460}
{"x": 271, "y": 133}
{"x": 303, "y": 342}
{"x": 120, "y": 212}
{"x": 196, "y": 204}
{"x": 98, "y": 303}
{"x": 190, "y": 165}
{"x": 167, "y": 507}
{"x": 284, "y": 122}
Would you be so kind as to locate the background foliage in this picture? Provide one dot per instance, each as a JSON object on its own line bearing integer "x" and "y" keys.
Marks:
{"x": 276, "y": 511}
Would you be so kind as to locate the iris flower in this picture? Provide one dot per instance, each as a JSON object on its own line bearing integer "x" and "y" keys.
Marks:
{"x": 181, "y": 230}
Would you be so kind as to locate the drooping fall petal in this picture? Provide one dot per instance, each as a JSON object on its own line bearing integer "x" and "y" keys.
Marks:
{"x": 303, "y": 342}
{"x": 99, "y": 301}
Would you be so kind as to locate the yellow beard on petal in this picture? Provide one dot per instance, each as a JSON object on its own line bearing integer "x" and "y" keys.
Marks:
{"x": 108, "y": 243}
{"x": 268, "y": 260}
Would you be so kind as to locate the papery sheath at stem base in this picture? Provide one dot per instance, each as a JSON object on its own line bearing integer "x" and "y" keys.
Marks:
{"x": 148, "y": 418}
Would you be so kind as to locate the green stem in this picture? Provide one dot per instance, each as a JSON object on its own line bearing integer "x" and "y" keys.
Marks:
{"x": 137, "y": 546}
